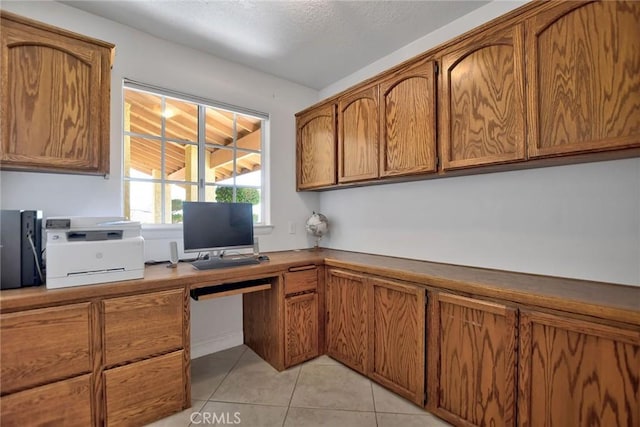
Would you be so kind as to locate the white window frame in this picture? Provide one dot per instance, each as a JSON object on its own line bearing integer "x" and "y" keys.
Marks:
{"x": 202, "y": 144}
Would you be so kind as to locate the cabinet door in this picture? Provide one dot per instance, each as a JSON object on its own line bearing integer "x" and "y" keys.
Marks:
{"x": 347, "y": 319}
{"x": 64, "y": 403}
{"x": 576, "y": 372}
{"x": 301, "y": 328}
{"x": 144, "y": 325}
{"x": 44, "y": 345}
{"x": 142, "y": 392}
{"x": 482, "y": 103}
{"x": 397, "y": 334}
{"x": 358, "y": 135}
{"x": 583, "y": 74}
{"x": 472, "y": 361}
{"x": 316, "y": 148}
{"x": 55, "y": 100}
{"x": 408, "y": 121}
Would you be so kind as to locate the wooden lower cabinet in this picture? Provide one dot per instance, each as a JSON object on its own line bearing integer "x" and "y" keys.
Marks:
{"x": 376, "y": 326}
{"x": 301, "y": 328}
{"x": 472, "y": 361}
{"x": 397, "y": 337}
{"x": 145, "y": 391}
{"x": 139, "y": 326}
{"x": 67, "y": 403}
{"x": 44, "y": 345}
{"x": 55, "y": 361}
{"x": 263, "y": 323}
{"x": 575, "y": 372}
{"x": 347, "y": 319}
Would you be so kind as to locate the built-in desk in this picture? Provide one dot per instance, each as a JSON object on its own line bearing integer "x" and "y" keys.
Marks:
{"x": 125, "y": 345}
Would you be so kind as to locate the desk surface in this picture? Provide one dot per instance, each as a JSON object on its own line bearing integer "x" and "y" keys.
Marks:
{"x": 605, "y": 300}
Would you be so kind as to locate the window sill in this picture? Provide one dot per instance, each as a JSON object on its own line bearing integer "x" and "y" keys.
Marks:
{"x": 174, "y": 231}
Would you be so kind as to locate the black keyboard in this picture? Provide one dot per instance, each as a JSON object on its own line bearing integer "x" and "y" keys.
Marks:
{"x": 210, "y": 264}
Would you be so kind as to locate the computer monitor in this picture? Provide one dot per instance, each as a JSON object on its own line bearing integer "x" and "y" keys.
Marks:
{"x": 217, "y": 226}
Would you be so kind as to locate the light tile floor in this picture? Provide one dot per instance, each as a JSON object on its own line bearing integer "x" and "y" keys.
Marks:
{"x": 237, "y": 387}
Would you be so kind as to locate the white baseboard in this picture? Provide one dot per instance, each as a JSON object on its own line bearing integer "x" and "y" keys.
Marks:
{"x": 216, "y": 344}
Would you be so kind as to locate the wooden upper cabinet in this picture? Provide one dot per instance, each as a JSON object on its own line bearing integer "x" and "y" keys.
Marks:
{"x": 482, "y": 101}
{"x": 408, "y": 121}
{"x": 55, "y": 98}
{"x": 316, "y": 148}
{"x": 358, "y": 135}
{"x": 583, "y": 72}
{"x": 577, "y": 372}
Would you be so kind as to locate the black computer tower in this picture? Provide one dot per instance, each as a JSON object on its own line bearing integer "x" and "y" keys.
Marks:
{"x": 20, "y": 248}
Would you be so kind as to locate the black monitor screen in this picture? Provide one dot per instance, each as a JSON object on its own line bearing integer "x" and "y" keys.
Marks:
{"x": 216, "y": 226}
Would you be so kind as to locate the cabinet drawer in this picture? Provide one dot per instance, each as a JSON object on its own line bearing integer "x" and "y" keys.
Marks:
{"x": 143, "y": 392}
{"x": 142, "y": 325}
{"x": 66, "y": 403}
{"x": 301, "y": 279}
{"x": 42, "y": 346}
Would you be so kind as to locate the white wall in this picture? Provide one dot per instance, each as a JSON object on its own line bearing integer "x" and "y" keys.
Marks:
{"x": 580, "y": 221}
{"x": 431, "y": 40}
{"x": 217, "y": 323}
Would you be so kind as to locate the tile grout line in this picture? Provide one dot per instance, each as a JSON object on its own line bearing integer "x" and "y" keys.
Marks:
{"x": 284, "y": 420}
{"x": 190, "y": 424}
{"x": 373, "y": 398}
{"x": 227, "y": 374}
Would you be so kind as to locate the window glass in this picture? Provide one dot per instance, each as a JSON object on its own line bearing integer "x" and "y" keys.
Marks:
{"x": 168, "y": 160}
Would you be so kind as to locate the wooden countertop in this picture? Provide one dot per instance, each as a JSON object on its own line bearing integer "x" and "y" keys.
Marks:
{"x": 156, "y": 277}
{"x": 604, "y": 300}
{"x": 599, "y": 299}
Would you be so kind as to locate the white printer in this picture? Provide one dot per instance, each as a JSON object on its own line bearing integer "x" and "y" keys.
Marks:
{"x": 88, "y": 250}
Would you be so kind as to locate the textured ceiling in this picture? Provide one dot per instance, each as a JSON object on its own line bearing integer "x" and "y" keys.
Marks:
{"x": 314, "y": 43}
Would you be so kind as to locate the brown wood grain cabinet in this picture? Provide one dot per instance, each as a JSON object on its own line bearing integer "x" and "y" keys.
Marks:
{"x": 56, "y": 361}
{"x": 316, "y": 148}
{"x": 347, "y": 318}
{"x": 301, "y": 315}
{"x": 63, "y": 403}
{"x": 146, "y": 391}
{"x": 358, "y": 135}
{"x": 140, "y": 326}
{"x": 472, "y": 360}
{"x": 263, "y": 322}
{"x": 44, "y": 345}
{"x": 583, "y": 76}
{"x": 574, "y": 371}
{"x": 301, "y": 328}
{"x": 482, "y": 104}
{"x": 548, "y": 84}
{"x": 377, "y": 327}
{"x": 397, "y": 337}
{"x": 55, "y": 97}
{"x": 576, "y": 344}
{"x": 408, "y": 121}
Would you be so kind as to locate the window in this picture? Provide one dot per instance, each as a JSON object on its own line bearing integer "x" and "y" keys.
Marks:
{"x": 180, "y": 148}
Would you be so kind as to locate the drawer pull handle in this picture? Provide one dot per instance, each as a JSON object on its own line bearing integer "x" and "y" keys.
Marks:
{"x": 302, "y": 268}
